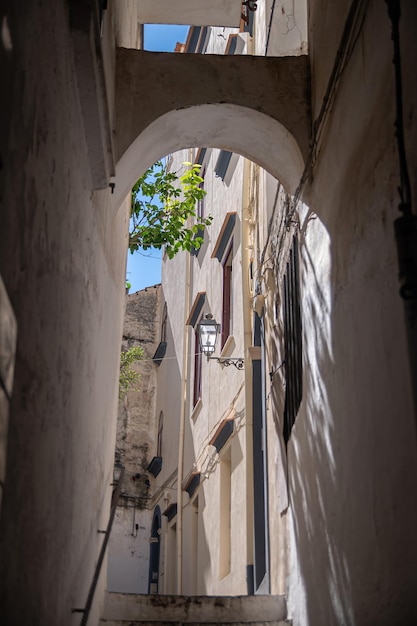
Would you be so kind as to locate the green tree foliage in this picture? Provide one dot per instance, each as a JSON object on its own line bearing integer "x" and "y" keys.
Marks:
{"x": 162, "y": 205}
{"x": 129, "y": 378}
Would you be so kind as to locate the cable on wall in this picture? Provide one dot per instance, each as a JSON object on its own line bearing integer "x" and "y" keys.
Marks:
{"x": 351, "y": 32}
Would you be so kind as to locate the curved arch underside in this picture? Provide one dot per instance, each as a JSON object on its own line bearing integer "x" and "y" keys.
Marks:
{"x": 230, "y": 127}
{"x": 255, "y": 106}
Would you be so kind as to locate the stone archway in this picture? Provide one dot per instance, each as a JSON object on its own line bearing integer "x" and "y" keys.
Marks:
{"x": 258, "y": 107}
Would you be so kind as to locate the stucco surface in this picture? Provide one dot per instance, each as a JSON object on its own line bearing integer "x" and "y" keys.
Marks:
{"x": 277, "y": 87}
{"x": 65, "y": 280}
{"x": 351, "y": 459}
{"x": 352, "y": 454}
{"x": 211, "y": 100}
{"x": 218, "y": 13}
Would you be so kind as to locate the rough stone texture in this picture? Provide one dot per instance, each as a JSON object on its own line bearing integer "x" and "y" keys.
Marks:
{"x": 136, "y": 427}
{"x": 128, "y": 561}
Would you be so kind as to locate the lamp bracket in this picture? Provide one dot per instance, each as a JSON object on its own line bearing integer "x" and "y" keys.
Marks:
{"x": 238, "y": 363}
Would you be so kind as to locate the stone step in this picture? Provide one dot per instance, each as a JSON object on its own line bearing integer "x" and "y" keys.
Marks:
{"x": 122, "y": 608}
{"x": 105, "y": 622}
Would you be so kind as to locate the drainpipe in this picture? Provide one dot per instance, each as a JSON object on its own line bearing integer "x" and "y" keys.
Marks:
{"x": 247, "y": 342}
{"x": 184, "y": 380}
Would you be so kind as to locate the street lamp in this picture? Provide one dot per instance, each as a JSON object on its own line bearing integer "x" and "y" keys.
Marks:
{"x": 208, "y": 329}
{"x": 118, "y": 473}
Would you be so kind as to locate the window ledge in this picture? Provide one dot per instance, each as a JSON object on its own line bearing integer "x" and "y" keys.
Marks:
{"x": 196, "y": 410}
{"x": 228, "y": 346}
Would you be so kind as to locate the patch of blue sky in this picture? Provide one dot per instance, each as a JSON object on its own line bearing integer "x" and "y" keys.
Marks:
{"x": 144, "y": 266}
{"x": 163, "y": 37}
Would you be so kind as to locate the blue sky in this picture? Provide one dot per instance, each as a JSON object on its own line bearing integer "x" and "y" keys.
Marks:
{"x": 144, "y": 267}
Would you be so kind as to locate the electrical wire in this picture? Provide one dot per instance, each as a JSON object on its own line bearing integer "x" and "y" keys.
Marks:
{"x": 351, "y": 31}
{"x": 269, "y": 27}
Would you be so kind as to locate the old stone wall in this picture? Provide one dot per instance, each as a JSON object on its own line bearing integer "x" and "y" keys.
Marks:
{"x": 137, "y": 425}
{"x": 136, "y": 428}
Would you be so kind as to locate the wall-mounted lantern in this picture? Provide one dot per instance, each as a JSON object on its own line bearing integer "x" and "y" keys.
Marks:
{"x": 118, "y": 473}
{"x": 208, "y": 329}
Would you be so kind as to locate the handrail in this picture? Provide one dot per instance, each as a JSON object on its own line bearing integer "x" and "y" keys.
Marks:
{"x": 114, "y": 500}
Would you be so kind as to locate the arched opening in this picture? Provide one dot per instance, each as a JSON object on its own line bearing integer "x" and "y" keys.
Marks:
{"x": 252, "y": 134}
{"x": 154, "y": 552}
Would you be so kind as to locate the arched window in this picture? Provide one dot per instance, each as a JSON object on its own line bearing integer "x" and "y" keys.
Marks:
{"x": 154, "y": 552}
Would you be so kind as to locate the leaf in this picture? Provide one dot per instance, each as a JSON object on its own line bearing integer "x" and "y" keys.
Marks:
{"x": 128, "y": 377}
{"x": 163, "y": 205}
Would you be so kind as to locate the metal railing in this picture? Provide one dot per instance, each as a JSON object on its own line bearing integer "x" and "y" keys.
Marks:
{"x": 115, "y": 498}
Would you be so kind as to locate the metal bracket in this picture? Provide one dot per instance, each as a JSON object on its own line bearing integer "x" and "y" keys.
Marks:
{"x": 238, "y": 363}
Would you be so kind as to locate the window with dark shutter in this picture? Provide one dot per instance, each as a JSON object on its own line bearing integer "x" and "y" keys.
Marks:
{"x": 223, "y": 252}
{"x": 198, "y": 361}
{"x": 222, "y": 163}
{"x": 164, "y": 323}
{"x": 162, "y": 347}
{"x": 201, "y": 203}
{"x": 194, "y": 317}
{"x": 227, "y": 296}
{"x": 193, "y": 37}
{"x": 247, "y": 17}
{"x": 197, "y": 40}
{"x": 231, "y": 46}
{"x": 200, "y": 213}
{"x": 160, "y": 431}
{"x": 292, "y": 340}
{"x": 203, "y": 40}
{"x": 201, "y": 155}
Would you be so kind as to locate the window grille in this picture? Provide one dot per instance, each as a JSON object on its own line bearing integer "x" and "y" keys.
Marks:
{"x": 292, "y": 340}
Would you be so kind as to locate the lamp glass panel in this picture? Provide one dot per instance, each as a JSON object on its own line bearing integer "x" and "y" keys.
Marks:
{"x": 208, "y": 336}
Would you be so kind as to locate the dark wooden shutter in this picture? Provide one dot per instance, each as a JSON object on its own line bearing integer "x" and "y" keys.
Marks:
{"x": 193, "y": 39}
{"x": 197, "y": 367}
{"x": 222, "y": 163}
{"x": 227, "y": 295}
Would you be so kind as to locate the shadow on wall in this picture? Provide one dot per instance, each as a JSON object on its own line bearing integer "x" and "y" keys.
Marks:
{"x": 313, "y": 479}
{"x": 352, "y": 456}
